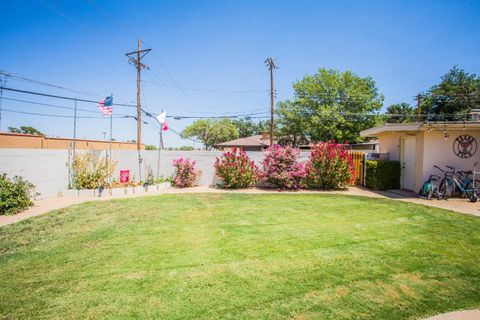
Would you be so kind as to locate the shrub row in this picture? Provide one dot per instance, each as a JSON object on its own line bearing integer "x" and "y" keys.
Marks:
{"x": 329, "y": 167}
{"x": 382, "y": 174}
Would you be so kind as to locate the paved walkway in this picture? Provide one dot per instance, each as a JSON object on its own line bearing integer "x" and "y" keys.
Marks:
{"x": 458, "y": 315}
{"x": 460, "y": 205}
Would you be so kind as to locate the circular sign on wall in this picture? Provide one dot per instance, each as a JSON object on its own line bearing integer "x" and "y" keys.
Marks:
{"x": 465, "y": 146}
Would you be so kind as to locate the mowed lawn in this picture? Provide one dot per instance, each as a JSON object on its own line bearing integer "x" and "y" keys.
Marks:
{"x": 239, "y": 256}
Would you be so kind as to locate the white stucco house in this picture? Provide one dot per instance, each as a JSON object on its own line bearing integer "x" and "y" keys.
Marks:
{"x": 421, "y": 145}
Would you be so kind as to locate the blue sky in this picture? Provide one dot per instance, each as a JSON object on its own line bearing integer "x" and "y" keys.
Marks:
{"x": 218, "y": 48}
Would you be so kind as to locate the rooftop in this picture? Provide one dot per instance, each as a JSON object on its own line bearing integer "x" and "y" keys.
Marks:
{"x": 419, "y": 126}
{"x": 252, "y": 141}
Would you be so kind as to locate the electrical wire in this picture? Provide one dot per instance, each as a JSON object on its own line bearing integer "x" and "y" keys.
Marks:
{"x": 64, "y": 97}
{"x": 59, "y": 116}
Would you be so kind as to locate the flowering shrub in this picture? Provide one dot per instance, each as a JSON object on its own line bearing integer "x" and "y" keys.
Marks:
{"x": 281, "y": 167}
{"x": 236, "y": 169}
{"x": 330, "y": 167}
{"x": 185, "y": 173}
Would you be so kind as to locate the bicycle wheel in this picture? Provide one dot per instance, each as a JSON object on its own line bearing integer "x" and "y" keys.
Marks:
{"x": 446, "y": 188}
{"x": 472, "y": 193}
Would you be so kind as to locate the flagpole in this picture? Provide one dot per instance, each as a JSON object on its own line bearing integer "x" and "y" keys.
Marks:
{"x": 111, "y": 132}
{"x": 74, "y": 138}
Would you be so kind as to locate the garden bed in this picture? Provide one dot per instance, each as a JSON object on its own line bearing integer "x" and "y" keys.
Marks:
{"x": 115, "y": 191}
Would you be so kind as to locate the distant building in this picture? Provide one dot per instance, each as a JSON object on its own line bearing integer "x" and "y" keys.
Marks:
{"x": 262, "y": 142}
{"x": 31, "y": 141}
{"x": 253, "y": 143}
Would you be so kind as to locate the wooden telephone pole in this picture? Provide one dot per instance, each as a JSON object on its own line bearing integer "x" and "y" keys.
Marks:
{"x": 135, "y": 58}
{"x": 271, "y": 65}
{"x": 419, "y": 107}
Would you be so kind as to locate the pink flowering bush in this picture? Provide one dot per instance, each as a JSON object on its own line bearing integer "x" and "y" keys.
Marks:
{"x": 281, "y": 167}
{"x": 185, "y": 173}
{"x": 330, "y": 167}
{"x": 236, "y": 169}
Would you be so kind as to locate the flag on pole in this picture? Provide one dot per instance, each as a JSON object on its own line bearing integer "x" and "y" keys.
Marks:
{"x": 162, "y": 118}
{"x": 105, "y": 106}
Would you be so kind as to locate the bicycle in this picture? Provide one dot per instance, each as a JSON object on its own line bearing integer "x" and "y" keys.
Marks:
{"x": 430, "y": 188}
{"x": 459, "y": 179}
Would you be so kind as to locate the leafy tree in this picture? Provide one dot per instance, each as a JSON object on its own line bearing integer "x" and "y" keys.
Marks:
{"x": 330, "y": 105}
{"x": 25, "y": 130}
{"x": 211, "y": 132}
{"x": 454, "y": 97}
{"x": 150, "y": 147}
{"x": 401, "y": 112}
{"x": 289, "y": 124}
{"x": 185, "y": 148}
{"x": 247, "y": 128}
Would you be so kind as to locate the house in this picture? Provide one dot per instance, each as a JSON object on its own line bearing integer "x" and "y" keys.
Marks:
{"x": 421, "y": 145}
{"x": 253, "y": 143}
{"x": 32, "y": 141}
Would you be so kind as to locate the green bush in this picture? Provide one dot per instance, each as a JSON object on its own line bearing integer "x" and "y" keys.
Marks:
{"x": 15, "y": 194}
{"x": 382, "y": 174}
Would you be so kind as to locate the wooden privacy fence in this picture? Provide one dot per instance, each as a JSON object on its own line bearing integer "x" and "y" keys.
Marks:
{"x": 358, "y": 158}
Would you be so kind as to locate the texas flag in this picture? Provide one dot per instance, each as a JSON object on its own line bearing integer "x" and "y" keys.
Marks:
{"x": 162, "y": 118}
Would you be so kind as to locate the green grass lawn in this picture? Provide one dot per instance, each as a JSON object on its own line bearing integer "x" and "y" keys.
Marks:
{"x": 238, "y": 256}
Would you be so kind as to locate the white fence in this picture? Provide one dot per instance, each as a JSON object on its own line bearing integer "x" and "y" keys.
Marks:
{"x": 49, "y": 169}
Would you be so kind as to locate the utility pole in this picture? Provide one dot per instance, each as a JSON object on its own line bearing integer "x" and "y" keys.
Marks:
{"x": 137, "y": 62}
{"x": 2, "y": 84}
{"x": 271, "y": 65}
{"x": 419, "y": 108}
{"x": 74, "y": 140}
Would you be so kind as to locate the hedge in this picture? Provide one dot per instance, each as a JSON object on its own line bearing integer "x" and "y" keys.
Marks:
{"x": 382, "y": 174}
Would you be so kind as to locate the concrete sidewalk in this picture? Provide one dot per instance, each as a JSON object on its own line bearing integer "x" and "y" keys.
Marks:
{"x": 45, "y": 205}
{"x": 458, "y": 315}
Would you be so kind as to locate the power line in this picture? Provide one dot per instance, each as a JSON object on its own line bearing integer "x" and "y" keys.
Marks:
{"x": 64, "y": 97}
{"x": 53, "y": 105}
{"x": 57, "y": 115}
{"x": 208, "y": 90}
{"x": 18, "y": 77}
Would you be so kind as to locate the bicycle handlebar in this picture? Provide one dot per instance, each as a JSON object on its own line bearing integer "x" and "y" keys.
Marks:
{"x": 435, "y": 166}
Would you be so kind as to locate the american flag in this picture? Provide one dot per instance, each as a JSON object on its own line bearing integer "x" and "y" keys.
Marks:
{"x": 105, "y": 106}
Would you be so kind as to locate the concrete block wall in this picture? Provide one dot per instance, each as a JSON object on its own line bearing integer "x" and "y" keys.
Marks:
{"x": 49, "y": 169}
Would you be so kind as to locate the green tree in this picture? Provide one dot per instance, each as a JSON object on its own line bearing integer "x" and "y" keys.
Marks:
{"x": 185, "y": 148}
{"x": 25, "y": 130}
{"x": 247, "y": 128}
{"x": 330, "y": 105}
{"x": 289, "y": 125}
{"x": 401, "y": 112}
{"x": 150, "y": 147}
{"x": 211, "y": 132}
{"x": 454, "y": 97}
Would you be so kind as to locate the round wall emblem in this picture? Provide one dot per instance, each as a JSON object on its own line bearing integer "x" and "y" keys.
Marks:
{"x": 465, "y": 146}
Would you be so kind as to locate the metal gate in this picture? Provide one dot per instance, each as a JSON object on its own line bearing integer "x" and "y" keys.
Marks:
{"x": 358, "y": 158}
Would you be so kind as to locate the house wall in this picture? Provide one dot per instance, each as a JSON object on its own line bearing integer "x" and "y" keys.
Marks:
{"x": 438, "y": 151}
{"x": 431, "y": 149}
